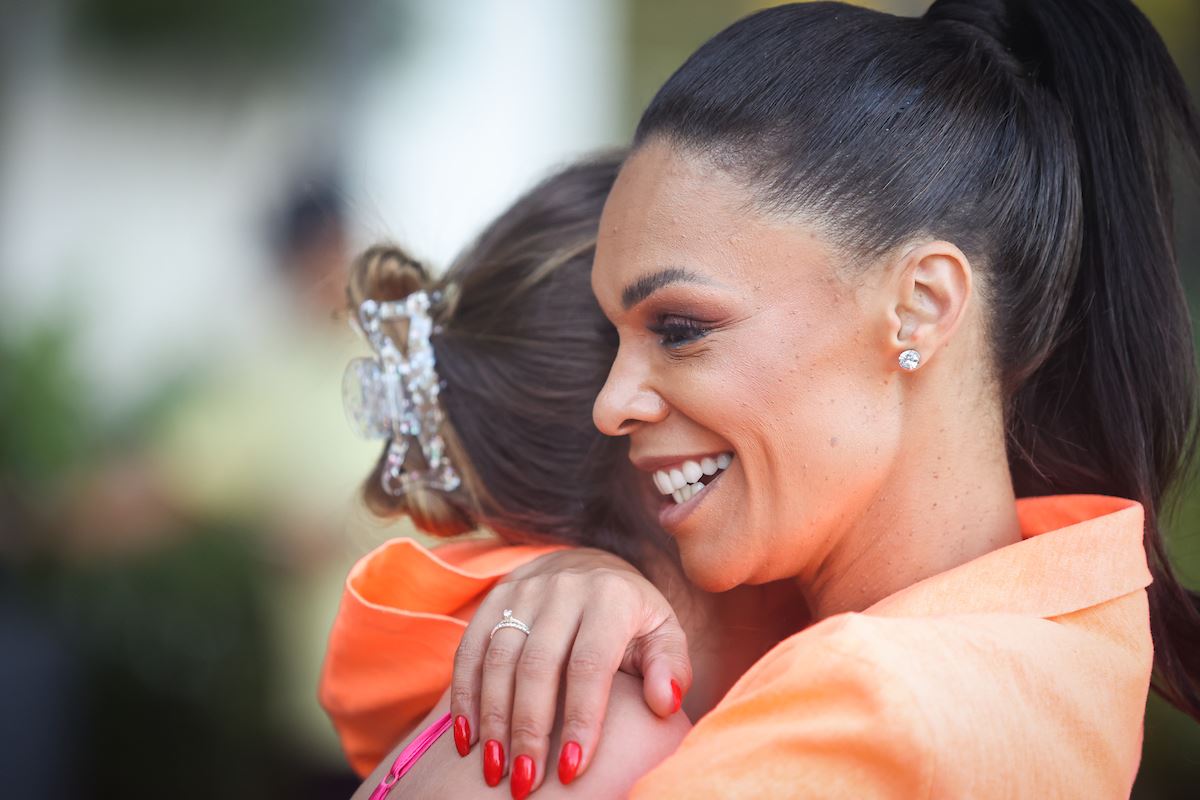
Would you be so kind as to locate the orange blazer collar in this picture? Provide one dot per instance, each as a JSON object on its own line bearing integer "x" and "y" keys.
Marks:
{"x": 1077, "y": 551}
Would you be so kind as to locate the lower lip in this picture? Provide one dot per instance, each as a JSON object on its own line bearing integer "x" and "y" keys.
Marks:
{"x": 672, "y": 514}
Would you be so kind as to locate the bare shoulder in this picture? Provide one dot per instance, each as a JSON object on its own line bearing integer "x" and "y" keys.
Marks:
{"x": 634, "y": 742}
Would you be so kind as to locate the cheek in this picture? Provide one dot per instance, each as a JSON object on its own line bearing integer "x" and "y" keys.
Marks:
{"x": 816, "y": 434}
{"x": 825, "y": 433}
{"x": 820, "y": 434}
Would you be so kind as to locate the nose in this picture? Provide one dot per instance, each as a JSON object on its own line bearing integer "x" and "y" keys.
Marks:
{"x": 627, "y": 401}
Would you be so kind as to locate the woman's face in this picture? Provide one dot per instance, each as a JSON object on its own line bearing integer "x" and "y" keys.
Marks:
{"x": 740, "y": 343}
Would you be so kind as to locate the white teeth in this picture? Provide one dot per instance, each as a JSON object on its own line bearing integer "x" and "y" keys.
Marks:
{"x": 683, "y": 482}
{"x": 687, "y": 492}
{"x": 677, "y": 479}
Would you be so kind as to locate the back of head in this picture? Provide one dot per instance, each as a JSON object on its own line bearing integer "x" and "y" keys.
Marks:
{"x": 1034, "y": 134}
{"x": 522, "y": 349}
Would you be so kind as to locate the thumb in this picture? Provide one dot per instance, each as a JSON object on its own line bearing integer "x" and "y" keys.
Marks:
{"x": 661, "y": 658}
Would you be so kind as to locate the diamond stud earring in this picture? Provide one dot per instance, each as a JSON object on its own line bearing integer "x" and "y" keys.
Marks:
{"x": 909, "y": 359}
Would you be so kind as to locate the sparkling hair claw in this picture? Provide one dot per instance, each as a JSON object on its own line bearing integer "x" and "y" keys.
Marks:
{"x": 395, "y": 395}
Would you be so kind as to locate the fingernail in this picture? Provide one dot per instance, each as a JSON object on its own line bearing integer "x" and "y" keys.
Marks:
{"x": 493, "y": 762}
{"x": 677, "y": 694}
{"x": 521, "y": 781}
{"x": 568, "y": 762}
{"x": 462, "y": 735}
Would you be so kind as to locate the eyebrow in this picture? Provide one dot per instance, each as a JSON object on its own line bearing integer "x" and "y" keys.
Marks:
{"x": 647, "y": 285}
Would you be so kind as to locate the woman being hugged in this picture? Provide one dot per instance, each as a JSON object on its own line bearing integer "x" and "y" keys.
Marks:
{"x": 917, "y": 277}
{"x": 516, "y": 345}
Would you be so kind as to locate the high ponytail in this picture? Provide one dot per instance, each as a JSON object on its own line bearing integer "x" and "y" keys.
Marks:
{"x": 1113, "y": 407}
{"x": 1048, "y": 125}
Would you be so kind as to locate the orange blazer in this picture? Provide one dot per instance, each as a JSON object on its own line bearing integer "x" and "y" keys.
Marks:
{"x": 1022, "y": 673}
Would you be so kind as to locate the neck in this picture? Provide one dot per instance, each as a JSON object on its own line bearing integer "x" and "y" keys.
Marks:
{"x": 727, "y": 631}
{"x": 950, "y": 505}
{"x": 949, "y": 502}
{"x": 740, "y": 626}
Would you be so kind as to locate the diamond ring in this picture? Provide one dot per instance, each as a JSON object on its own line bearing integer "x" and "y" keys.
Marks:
{"x": 510, "y": 621}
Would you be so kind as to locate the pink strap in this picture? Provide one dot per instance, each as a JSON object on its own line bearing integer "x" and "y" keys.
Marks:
{"x": 409, "y": 755}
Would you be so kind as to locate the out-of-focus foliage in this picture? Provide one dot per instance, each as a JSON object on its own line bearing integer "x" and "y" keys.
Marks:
{"x": 43, "y": 408}
{"x": 172, "y": 659}
{"x": 263, "y": 29}
{"x": 141, "y": 668}
{"x": 1170, "y": 756}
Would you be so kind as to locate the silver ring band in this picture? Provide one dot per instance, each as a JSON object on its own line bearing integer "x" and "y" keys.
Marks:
{"x": 510, "y": 621}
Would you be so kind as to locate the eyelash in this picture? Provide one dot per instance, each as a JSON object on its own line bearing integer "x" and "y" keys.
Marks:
{"x": 675, "y": 332}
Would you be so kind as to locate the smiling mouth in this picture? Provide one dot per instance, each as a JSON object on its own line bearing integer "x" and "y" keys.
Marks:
{"x": 686, "y": 480}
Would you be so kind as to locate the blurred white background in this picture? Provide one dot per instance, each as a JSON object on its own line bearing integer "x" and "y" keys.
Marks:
{"x": 140, "y": 188}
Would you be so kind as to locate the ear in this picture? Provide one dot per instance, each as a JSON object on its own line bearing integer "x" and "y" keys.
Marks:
{"x": 927, "y": 298}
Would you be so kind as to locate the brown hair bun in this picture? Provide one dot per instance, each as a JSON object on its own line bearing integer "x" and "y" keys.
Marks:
{"x": 387, "y": 273}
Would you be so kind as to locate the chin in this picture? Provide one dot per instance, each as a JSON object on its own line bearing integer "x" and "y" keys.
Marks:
{"x": 708, "y": 574}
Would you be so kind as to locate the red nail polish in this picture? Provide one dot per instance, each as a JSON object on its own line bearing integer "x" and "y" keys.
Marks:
{"x": 521, "y": 781}
{"x": 462, "y": 735}
{"x": 493, "y": 762}
{"x": 677, "y": 694}
{"x": 568, "y": 762}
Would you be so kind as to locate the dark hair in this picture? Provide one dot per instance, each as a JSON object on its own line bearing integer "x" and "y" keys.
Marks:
{"x": 1036, "y": 135}
{"x": 522, "y": 349}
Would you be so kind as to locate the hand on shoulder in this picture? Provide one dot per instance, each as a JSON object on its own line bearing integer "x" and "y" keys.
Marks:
{"x": 634, "y": 741}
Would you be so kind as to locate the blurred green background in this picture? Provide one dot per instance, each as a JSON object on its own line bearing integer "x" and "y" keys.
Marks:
{"x": 183, "y": 183}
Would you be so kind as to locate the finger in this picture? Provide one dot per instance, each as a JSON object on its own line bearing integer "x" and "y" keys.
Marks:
{"x": 496, "y": 695}
{"x": 662, "y": 658}
{"x": 599, "y": 647}
{"x": 535, "y": 696}
{"x": 467, "y": 676}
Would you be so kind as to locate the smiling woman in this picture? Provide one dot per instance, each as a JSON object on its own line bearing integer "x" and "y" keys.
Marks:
{"x": 913, "y": 280}
{"x": 747, "y": 352}
{"x": 900, "y": 333}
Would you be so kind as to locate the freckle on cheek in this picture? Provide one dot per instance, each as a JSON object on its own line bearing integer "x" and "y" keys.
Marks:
{"x": 833, "y": 441}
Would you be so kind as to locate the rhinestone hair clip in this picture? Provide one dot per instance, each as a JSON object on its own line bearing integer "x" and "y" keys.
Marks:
{"x": 395, "y": 395}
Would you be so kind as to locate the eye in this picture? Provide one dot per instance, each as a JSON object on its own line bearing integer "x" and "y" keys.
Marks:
{"x": 674, "y": 331}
